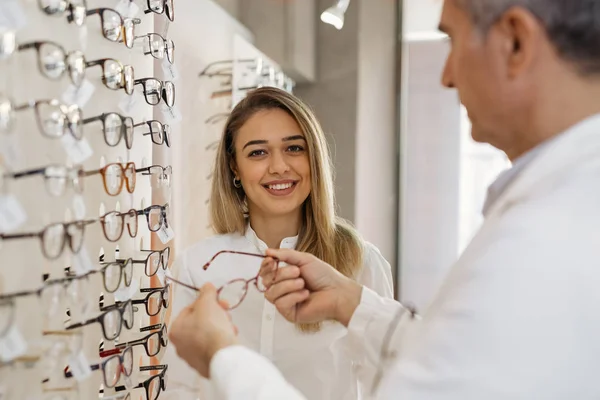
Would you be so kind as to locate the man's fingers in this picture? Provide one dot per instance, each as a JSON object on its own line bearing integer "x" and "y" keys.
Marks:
{"x": 283, "y": 288}
{"x": 224, "y": 304}
{"x": 207, "y": 292}
{"x": 283, "y": 274}
{"x": 290, "y": 256}
{"x": 286, "y": 303}
{"x": 268, "y": 270}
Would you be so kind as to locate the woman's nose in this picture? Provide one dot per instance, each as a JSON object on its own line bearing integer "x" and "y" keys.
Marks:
{"x": 278, "y": 164}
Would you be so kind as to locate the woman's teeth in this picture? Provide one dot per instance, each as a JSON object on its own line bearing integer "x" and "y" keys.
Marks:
{"x": 281, "y": 186}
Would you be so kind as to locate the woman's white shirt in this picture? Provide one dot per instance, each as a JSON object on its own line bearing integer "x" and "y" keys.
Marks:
{"x": 318, "y": 364}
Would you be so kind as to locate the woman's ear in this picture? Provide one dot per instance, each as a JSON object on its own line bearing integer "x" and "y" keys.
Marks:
{"x": 233, "y": 168}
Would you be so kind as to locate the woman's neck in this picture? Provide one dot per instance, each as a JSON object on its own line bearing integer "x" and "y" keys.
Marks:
{"x": 272, "y": 230}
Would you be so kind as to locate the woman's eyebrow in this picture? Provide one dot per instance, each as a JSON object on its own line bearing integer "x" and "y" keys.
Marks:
{"x": 295, "y": 137}
{"x": 252, "y": 142}
{"x": 285, "y": 139}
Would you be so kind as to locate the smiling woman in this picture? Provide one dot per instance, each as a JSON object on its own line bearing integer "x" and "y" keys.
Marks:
{"x": 273, "y": 188}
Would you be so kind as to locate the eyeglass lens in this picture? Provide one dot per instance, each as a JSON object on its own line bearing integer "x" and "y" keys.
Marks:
{"x": 57, "y": 297}
{"x": 116, "y": 272}
{"x": 6, "y": 114}
{"x": 6, "y": 316}
{"x": 157, "y": 259}
{"x": 234, "y": 292}
{"x": 114, "y": 319}
{"x": 116, "y": 127}
{"x": 112, "y": 24}
{"x": 114, "y": 365}
{"x": 113, "y": 224}
{"x": 115, "y": 176}
{"x": 55, "y": 119}
{"x": 160, "y": 176}
{"x": 156, "y": 300}
{"x": 113, "y": 74}
{"x": 55, "y": 237}
{"x": 57, "y": 177}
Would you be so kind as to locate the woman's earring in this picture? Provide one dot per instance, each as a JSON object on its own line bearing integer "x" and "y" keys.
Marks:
{"x": 237, "y": 183}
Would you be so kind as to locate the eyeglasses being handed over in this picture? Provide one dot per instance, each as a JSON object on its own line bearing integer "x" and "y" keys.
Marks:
{"x": 234, "y": 291}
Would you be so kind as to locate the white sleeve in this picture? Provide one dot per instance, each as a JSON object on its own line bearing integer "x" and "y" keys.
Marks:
{"x": 376, "y": 275}
{"x": 184, "y": 382}
{"x": 242, "y": 374}
{"x": 374, "y": 317}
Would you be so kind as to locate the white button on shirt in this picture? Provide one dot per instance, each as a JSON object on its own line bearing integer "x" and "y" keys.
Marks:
{"x": 318, "y": 364}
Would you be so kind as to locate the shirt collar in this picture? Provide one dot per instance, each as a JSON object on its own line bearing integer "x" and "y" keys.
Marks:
{"x": 506, "y": 177}
{"x": 286, "y": 243}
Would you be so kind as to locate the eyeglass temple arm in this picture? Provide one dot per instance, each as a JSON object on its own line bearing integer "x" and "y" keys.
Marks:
{"x": 159, "y": 367}
{"x": 144, "y": 171}
{"x": 25, "y": 106}
{"x": 121, "y": 388}
{"x": 158, "y": 251}
{"x": 245, "y": 60}
{"x": 4, "y": 236}
{"x": 93, "y": 172}
{"x": 30, "y": 172}
{"x": 132, "y": 343}
{"x": 29, "y": 45}
{"x": 151, "y": 327}
{"x": 93, "y": 63}
{"x": 120, "y": 260}
{"x": 93, "y": 119}
{"x": 156, "y": 289}
{"x": 115, "y": 396}
{"x": 183, "y": 284}
{"x": 111, "y": 352}
{"x": 93, "y": 367}
{"x": 84, "y": 323}
{"x": 14, "y": 295}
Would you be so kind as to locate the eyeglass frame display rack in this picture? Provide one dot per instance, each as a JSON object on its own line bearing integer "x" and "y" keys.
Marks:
{"x": 24, "y": 266}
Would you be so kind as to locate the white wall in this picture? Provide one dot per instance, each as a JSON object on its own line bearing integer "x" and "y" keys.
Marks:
{"x": 421, "y": 16}
{"x": 430, "y": 173}
{"x": 376, "y": 180}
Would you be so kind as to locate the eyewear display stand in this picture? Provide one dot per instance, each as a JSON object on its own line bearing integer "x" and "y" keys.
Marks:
{"x": 74, "y": 296}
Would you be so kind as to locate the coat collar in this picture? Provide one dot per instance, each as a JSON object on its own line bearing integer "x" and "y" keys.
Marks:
{"x": 566, "y": 152}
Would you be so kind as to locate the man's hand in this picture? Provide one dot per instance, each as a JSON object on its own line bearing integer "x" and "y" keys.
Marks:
{"x": 202, "y": 329}
{"x": 308, "y": 290}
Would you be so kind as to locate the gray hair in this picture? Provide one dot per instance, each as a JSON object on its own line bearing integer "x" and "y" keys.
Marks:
{"x": 573, "y": 26}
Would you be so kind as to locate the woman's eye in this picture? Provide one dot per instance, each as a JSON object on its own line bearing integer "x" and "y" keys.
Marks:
{"x": 256, "y": 153}
{"x": 295, "y": 148}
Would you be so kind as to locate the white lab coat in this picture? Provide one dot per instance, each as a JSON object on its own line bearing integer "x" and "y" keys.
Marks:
{"x": 518, "y": 316}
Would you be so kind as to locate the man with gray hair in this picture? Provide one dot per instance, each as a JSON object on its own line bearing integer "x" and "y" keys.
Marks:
{"x": 518, "y": 316}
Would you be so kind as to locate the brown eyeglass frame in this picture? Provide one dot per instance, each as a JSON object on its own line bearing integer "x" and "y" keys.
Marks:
{"x": 124, "y": 179}
{"x": 246, "y": 281}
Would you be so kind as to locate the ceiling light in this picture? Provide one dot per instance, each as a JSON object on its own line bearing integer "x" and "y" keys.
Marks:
{"x": 334, "y": 15}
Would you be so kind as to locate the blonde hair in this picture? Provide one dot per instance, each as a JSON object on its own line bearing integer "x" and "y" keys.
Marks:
{"x": 322, "y": 233}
